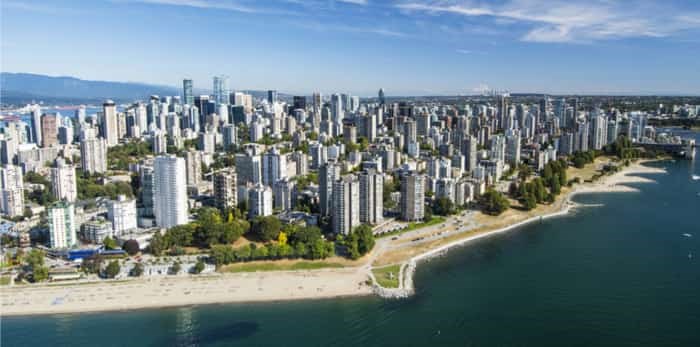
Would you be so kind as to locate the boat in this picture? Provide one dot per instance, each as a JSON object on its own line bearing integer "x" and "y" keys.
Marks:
{"x": 688, "y": 235}
{"x": 696, "y": 177}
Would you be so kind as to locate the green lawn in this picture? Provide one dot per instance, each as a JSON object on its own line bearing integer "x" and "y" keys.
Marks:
{"x": 416, "y": 225}
{"x": 387, "y": 276}
{"x": 271, "y": 266}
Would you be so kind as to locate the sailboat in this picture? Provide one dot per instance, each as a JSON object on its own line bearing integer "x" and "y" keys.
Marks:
{"x": 695, "y": 177}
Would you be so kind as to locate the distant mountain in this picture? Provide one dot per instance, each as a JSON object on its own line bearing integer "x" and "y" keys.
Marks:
{"x": 26, "y": 87}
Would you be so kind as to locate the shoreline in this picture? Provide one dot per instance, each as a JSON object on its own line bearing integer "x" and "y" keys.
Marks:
{"x": 275, "y": 286}
{"x": 608, "y": 184}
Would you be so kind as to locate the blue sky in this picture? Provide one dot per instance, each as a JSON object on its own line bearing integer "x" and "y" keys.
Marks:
{"x": 408, "y": 47}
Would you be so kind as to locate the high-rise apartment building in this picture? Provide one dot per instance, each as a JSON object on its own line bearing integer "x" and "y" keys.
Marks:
{"x": 122, "y": 214}
{"x": 62, "y": 225}
{"x": 346, "y": 205}
{"x": 11, "y": 191}
{"x": 64, "y": 181}
{"x": 110, "y": 128}
{"x": 327, "y": 174}
{"x": 412, "y": 197}
{"x": 225, "y": 189}
{"x": 93, "y": 153}
{"x": 371, "y": 197}
{"x": 170, "y": 191}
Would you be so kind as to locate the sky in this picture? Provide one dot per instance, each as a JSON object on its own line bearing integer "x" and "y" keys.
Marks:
{"x": 407, "y": 47}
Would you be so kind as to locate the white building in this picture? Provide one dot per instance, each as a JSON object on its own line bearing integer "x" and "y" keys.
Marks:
{"x": 61, "y": 219}
{"x": 12, "y": 190}
{"x": 63, "y": 181}
{"x": 412, "y": 197}
{"x": 122, "y": 214}
{"x": 170, "y": 191}
{"x": 346, "y": 205}
{"x": 274, "y": 167}
{"x": 93, "y": 152}
{"x": 371, "y": 197}
{"x": 109, "y": 123}
{"x": 260, "y": 201}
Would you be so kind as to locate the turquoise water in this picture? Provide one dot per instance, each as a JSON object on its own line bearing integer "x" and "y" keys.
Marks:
{"x": 618, "y": 275}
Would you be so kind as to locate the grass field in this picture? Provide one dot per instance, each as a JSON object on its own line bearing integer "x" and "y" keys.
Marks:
{"x": 388, "y": 276}
{"x": 278, "y": 266}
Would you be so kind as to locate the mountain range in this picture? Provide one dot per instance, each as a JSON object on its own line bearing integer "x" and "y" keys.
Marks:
{"x": 21, "y": 88}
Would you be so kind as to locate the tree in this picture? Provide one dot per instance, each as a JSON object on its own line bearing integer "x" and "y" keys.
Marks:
{"x": 112, "y": 269}
{"x": 109, "y": 243}
{"x": 282, "y": 238}
{"x": 131, "y": 247}
{"x": 34, "y": 259}
{"x": 529, "y": 202}
{"x": 444, "y": 206}
{"x": 137, "y": 270}
{"x": 40, "y": 273}
{"x": 199, "y": 267}
{"x": 175, "y": 269}
{"x": 266, "y": 228}
{"x": 365, "y": 241}
{"x": 494, "y": 203}
{"x": 92, "y": 264}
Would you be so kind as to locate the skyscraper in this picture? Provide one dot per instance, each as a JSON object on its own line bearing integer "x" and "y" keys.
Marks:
{"x": 225, "y": 189}
{"x": 382, "y": 99}
{"x": 61, "y": 220}
{"x": 371, "y": 197}
{"x": 63, "y": 181}
{"x": 49, "y": 129}
{"x": 327, "y": 174}
{"x": 109, "y": 123}
{"x": 170, "y": 191}
{"x": 271, "y": 96}
{"x": 412, "y": 196}
{"x": 274, "y": 166}
{"x": 93, "y": 153}
{"x": 193, "y": 162}
{"x": 11, "y": 191}
{"x": 346, "y": 205}
{"x": 221, "y": 89}
{"x": 284, "y": 194}
{"x": 259, "y": 201}
{"x": 187, "y": 95}
{"x": 36, "y": 124}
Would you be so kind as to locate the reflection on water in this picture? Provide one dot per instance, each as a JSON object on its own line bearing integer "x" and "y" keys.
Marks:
{"x": 186, "y": 327}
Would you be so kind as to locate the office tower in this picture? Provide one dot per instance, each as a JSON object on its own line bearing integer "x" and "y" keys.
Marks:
{"x": 109, "y": 123}
{"x": 122, "y": 214}
{"x": 513, "y": 148}
{"x": 225, "y": 189}
{"x": 187, "y": 94}
{"x": 147, "y": 191}
{"x": 93, "y": 153}
{"x": 371, "y": 197}
{"x": 170, "y": 191}
{"x": 422, "y": 124}
{"x": 316, "y": 100}
{"x": 259, "y": 201}
{"x": 337, "y": 114}
{"x": 410, "y": 132}
{"x": 36, "y": 124}
{"x": 271, "y": 96}
{"x": 327, "y": 174}
{"x": 249, "y": 168}
{"x": 498, "y": 148}
{"x": 230, "y": 136}
{"x": 65, "y": 134}
{"x": 382, "y": 99}
{"x": 346, "y": 205}
{"x": 284, "y": 194}
{"x": 193, "y": 163}
{"x": 299, "y": 102}
{"x": 159, "y": 143}
{"x": 503, "y": 106}
{"x": 412, "y": 197}
{"x": 62, "y": 225}
{"x": 48, "y": 130}
{"x": 274, "y": 166}
{"x": 12, "y": 191}
{"x": 63, "y": 181}
{"x": 221, "y": 89}
{"x": 349, "y": 133}
{"x": 207, "y": 142}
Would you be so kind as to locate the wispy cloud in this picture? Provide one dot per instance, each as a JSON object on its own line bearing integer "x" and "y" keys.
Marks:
{"x": 354, "y": 2}
{"x": 569, "y": 21}
{"x": 350, "y": 29}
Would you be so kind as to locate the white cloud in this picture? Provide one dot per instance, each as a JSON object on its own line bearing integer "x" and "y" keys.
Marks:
{"x": 569, "y": 21}
{"x": 354, "y": 2}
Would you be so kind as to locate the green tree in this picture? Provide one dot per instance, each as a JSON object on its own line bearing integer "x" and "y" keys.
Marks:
{"x": 494, "y": 203}
{"x": 109, "y": 243}
{"x": 137, "y": 270}
{"x": 175, "y": 269}
{"x": 266, "y": 228}
{"x": 199, "y": 267}
{"x": 444, "y": 206}
{"x": 112, "y": 269}
{"x": 40, "y": 273}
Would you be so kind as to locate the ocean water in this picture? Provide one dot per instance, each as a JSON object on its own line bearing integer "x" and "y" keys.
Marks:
{"x": 618, "y": 275}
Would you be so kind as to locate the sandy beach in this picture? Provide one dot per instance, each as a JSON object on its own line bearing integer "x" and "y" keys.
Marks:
{"x": 289, "y": 285}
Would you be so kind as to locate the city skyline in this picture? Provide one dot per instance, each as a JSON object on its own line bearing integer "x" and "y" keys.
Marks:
{"x": 407, "y": 47}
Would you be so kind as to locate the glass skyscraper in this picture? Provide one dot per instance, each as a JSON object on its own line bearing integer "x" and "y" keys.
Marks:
{"x": 187, "y": 95}
{"x": 221, "y": 89}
